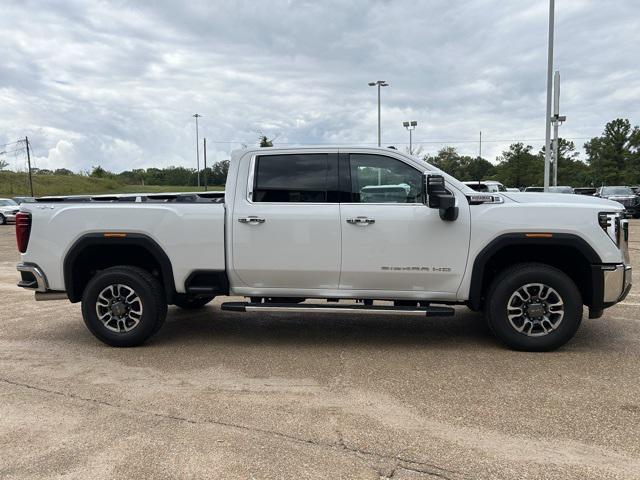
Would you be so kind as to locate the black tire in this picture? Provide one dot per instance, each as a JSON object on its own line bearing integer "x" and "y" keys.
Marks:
{"x": 192, "y": 303}
{"x": 152, "y": 304}
{"x": 3, "y": 219}
{"x": 533, "y": 337}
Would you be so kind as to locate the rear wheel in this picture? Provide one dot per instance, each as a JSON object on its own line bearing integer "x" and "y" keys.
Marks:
{"x": 533, "y": 307}
{"x": 124, "y": 306}
{"x": 192, "y": 303}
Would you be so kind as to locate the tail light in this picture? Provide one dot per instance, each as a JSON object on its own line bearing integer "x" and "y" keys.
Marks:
{"x": 23, "y": 230}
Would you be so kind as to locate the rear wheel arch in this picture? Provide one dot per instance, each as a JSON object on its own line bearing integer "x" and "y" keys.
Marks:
{"x": 566, "y": 252}
{"x": 94, "y": 251}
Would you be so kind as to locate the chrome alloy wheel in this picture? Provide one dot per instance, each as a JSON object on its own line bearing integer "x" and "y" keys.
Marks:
{"x": 535, "y": 309}
{"x": 119, "y": 308}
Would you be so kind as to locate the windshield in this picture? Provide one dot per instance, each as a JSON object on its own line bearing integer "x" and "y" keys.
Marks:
{"x": 561, "y": 189}
{"x": 617, "y": 191}
{"x": 478, "y": 187}
{"x": 6, "y": 202}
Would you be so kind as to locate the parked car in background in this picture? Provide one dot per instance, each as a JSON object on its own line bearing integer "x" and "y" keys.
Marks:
{"x": 20, "y": 200}
{"x": 636, "y": 190}
{"x": 512, "y": 189}
{"x": 585, "y": 190}
{"x": 534, "y": 189}
{"x": 8, "y": 210}
{"x": 623, "y": 195}
{"x": 486, "y": 186}
{"x": 561, "y": 189}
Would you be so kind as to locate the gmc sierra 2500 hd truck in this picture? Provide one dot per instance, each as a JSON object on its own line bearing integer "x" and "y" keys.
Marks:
{"x": 331, "y": 225}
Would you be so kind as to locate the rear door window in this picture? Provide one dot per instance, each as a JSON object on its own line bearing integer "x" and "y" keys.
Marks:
{"x": 295, "y": 178}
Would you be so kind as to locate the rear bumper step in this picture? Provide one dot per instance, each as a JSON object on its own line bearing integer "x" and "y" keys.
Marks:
{"x": 333, "y": 308}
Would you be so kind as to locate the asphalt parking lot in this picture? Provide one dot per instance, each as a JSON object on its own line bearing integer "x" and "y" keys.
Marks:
{"x": 225, "y": 395}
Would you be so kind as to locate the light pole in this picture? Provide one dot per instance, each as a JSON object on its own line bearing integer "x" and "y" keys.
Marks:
{"x": 197, "y": 116}
{"x": 411, "y": 126}
{"x": 547, "y": 135}
{"x": 378, "y": 83}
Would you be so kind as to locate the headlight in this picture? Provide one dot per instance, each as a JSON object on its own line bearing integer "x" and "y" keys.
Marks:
{"x": 610, "y": 223}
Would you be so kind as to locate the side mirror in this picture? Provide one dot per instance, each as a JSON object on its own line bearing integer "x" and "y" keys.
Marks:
{"x": 438, "y": 197}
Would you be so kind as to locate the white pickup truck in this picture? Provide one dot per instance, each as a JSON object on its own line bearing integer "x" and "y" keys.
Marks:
{"x": 315, "y": 230}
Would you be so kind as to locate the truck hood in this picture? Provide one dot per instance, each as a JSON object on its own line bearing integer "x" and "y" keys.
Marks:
{"x": 563, "y": 199}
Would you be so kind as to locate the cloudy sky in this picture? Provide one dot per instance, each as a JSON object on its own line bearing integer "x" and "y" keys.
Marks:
{"x": 115, "y": 83}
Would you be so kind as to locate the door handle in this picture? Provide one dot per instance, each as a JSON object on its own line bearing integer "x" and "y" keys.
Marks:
{"x": 361, "y": 221}
{"x": 251, "y": 220}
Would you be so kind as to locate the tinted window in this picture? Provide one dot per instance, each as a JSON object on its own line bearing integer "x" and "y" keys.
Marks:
{"x": 617, "y": 191}
{"x": 380, "y": 179}
{"x": 292, "y": 178}
{"x": 478, "y": 187}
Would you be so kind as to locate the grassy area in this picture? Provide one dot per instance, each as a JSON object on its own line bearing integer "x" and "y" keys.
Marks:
{"x": 14, "y": 184}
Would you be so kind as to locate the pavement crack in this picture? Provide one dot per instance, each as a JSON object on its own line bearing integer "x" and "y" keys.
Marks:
{"x": 402, "y": 462}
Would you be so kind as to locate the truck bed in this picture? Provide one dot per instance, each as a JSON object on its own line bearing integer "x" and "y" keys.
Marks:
{"x": 188, "y": 227}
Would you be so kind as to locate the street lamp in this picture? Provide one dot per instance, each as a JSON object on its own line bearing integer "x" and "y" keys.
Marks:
{"x": 197, "y": 116}
{"x": 547, "y": 134}
{"x": 378, "y": 83}
{"x": 411, "y": 126}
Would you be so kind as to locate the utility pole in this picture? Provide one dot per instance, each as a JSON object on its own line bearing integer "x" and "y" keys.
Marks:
{"x": 379, "y": 83}
{"x": 26, "y": 141}
{"x": 205, "y": 163}
{"x": 197, "y": 116}
{"x": 547, "y": 135}
{"x": 557, "y": 121}
{"x": 480, "y": 149}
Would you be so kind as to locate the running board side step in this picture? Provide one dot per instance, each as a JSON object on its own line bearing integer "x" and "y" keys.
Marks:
{"x": 332, "y": 308}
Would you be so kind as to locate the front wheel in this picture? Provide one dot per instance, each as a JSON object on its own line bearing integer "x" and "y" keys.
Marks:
{"x": 123, "y": 306}
{"x": 534, "y": 307}
{"x": 3, "y": 219}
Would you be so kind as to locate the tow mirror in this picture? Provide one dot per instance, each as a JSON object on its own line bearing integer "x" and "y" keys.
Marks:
{"x": 437, "y": 196}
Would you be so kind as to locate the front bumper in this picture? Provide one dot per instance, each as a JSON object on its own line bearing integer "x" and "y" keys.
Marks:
{"x": 610, "y": 284}
{"x": 32, "y": 277}
{"x": 11, "y": 217}
{"x": 617, "y": 283}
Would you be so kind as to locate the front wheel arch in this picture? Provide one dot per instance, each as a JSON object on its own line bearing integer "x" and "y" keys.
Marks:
{"x": 566, "y": 252}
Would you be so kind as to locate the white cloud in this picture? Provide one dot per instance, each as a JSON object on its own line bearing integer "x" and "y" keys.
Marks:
{"x": 115, "y": 84}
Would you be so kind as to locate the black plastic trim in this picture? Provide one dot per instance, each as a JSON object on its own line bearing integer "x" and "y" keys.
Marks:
{"x": 220, "y": 285}
{"x": 135, "y": 239}
{"x": 510, "y": 239}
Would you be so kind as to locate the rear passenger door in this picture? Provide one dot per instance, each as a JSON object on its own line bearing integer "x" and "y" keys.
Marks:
{"x": 286, "y": 229}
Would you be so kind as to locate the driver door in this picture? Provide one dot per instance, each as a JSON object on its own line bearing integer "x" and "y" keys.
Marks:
{"x": 391, "y": 241}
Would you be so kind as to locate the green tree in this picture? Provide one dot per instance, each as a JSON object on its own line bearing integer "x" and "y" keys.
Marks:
{"x": 474, "y": 168}
{"x": 265, "y": 142}
{"x": 571, "y": 170}
{"x": 447, "y": 160}
{"x": 3, "y": 164}
{"x": 518, "y": 167}
{"x": 614, "y": 157}
{"x": 462, "y": 167}
{"x": 99, "y": 172}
